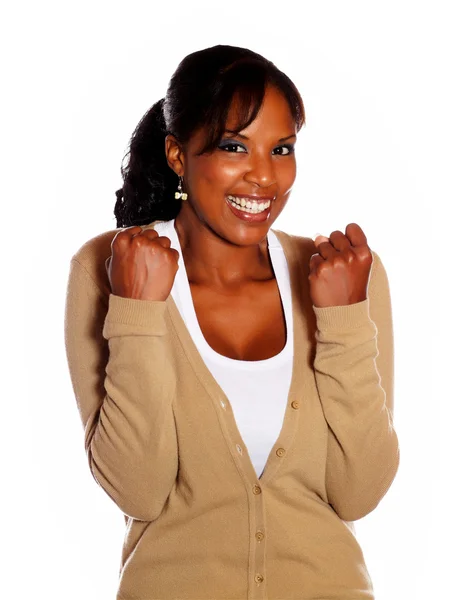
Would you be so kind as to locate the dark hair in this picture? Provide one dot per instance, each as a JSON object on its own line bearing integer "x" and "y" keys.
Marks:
{"x": 199, "y": 94}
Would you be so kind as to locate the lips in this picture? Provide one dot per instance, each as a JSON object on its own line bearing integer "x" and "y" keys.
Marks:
{"x": 249, "y": 216}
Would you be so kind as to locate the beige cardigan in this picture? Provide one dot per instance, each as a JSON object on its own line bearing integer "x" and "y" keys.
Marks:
{"x": 162, "y": 442}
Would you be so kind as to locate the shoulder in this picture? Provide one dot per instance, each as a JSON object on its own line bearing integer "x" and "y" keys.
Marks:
{"x": 93, "y": 253}
{"x": 378, "y": 284}
{"x": 293, "y": 241}
{"x": 296, "y": 247}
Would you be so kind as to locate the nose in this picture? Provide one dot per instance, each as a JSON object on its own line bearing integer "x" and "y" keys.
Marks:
{"x": 261, "y": 171}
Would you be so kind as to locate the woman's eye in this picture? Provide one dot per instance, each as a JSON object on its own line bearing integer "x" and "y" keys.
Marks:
{"x": 235, "y": 147}
{"x": 232, "y": 147}
{"x": 288, "y": 149}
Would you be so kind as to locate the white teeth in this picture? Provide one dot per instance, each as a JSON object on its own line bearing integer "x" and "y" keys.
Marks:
{"x": 248, "y": 206}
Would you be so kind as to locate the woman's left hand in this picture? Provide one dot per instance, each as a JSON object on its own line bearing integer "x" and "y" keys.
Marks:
{"x": 340, "y": 271}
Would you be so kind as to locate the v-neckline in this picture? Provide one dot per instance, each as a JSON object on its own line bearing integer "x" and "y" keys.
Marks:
{"x": 190, "y": 315}
{"x": 220, "y": 400}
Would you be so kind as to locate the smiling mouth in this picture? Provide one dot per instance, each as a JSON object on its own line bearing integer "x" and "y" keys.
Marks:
{"x": 249, "y": 205}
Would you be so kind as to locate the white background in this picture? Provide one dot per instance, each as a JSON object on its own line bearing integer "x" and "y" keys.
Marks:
{"x": 382, "y": 85}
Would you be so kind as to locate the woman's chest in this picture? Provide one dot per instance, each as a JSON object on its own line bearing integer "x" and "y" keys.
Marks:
{"x": 245, "y": 326}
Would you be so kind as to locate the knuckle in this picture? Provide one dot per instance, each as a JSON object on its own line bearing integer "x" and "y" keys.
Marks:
{"x": 124, "y": 235}
{"x": 117, "y": 238}
{"x": 364, "y": 253}
{"x": 349, "y": 255}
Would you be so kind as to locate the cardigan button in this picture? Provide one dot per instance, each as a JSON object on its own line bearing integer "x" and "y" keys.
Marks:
{"x": 259, "y": 578}
{"x": 238, "y": 447}
{"x": 281, "y": 452}
{"x": 256, "y": 489}
{"x": 295, "y": 404}
{"x": 259, "y": 536}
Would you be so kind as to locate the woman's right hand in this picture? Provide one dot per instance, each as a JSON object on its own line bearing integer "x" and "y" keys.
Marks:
{"x": 142, "y": 264}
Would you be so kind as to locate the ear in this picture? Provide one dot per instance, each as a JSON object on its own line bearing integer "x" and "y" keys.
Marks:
{"x": 174, "y": 154}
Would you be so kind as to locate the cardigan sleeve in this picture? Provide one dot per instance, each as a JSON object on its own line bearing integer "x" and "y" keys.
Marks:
{"x": 354, "y": 372}
{"x": 124, "y": 385}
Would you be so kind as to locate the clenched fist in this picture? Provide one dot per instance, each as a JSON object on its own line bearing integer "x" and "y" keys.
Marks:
{"x": 142, "y": 264}
{"x": 340, "y": 271}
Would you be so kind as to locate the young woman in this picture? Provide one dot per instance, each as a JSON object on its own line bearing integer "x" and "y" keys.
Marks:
{"x": 235, "y": 382}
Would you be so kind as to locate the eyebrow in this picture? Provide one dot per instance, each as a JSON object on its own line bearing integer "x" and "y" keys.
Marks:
{"x": 244, "y": 137}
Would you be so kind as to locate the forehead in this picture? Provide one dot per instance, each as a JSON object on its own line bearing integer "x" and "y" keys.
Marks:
{"x": 274, "y": 115}
{"x": 273, "y": 121}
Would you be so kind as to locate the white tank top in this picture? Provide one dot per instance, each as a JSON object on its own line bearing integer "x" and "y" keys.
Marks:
{"x": 257, "y": 390}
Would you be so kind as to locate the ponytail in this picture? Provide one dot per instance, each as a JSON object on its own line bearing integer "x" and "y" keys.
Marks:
{"x": 149, "y": 184}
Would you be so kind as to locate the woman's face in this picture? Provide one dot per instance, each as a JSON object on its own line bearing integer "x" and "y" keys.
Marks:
{"x": 258, "y": 164}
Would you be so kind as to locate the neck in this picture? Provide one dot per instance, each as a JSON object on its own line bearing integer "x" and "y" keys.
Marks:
{"x": 215, "y": 262}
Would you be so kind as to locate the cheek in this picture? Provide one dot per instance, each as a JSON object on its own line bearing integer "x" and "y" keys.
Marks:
{"x": 287, "y": 175}
{"x": 213, "y": 172}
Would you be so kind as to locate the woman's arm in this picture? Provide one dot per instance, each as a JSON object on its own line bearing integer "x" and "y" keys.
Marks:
{"x": 354, "y": 371}
{"x": 124, "y": 389}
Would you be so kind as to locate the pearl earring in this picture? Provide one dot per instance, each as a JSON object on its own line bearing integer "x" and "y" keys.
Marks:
{"x": 180, "y": 194}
